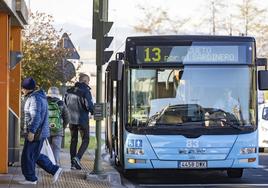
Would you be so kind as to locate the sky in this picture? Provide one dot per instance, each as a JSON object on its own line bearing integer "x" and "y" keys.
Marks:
{"x": 121, "y": 11}
{"x": 75, "y": 17}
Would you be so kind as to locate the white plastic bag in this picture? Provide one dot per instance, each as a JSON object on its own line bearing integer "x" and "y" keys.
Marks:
{"x": 46, "y": 150}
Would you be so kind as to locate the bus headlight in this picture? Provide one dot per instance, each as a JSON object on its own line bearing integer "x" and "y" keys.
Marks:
{"x": 135, "y": 151}
{"x": 247, "y": 150}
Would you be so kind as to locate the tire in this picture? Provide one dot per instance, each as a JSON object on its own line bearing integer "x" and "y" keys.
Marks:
{"x": 235, "y": 173}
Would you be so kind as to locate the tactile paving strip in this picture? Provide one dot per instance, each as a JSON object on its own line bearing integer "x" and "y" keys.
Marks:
{"x": 72, "y": 178}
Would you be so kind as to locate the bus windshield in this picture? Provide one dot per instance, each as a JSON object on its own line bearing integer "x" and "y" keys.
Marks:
{"x": 191, "y": 96}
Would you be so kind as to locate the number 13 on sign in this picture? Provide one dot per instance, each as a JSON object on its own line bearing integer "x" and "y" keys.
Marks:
{"x": 156, "y": 54}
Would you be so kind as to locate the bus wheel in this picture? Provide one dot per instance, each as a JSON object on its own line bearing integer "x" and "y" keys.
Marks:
{"x": 235, "y": 173}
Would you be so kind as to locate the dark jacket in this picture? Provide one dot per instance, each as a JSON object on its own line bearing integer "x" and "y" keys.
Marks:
{"x": 78, "y": 99}
{"x": 65, "y": 116}
{"x": 36, "y": 113}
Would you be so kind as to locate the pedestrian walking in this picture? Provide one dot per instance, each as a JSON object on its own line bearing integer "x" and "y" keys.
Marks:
{"x": 58, "y": 119}
{"x": 36, "y": 131}
{"x": 79, "y": 102}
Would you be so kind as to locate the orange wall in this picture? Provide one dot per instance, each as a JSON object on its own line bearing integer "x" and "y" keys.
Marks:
{"x": 4, "y": 92}
{"x": 15, "y": 78}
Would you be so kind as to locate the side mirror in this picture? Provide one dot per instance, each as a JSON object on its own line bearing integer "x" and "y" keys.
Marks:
{"x": 263, "y": 79}
{"x": 261, "y": 62}
{"x": 119, "y": 56}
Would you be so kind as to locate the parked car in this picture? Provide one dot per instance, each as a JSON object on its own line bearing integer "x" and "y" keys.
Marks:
{"x": 263, "y": 125}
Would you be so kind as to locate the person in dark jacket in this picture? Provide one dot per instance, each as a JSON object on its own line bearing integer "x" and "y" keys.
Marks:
{"x": 36, "y": 123}
{"x": 56, "y": 134}
{"x": 79, "y": 102}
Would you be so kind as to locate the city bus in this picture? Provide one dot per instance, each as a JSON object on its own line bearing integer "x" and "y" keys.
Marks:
{"x": 184, "y": 102}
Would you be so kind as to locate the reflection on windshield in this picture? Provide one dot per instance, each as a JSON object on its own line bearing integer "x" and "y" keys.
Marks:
{"x": 204, "y": 96}
{"x": 179, "y": 115}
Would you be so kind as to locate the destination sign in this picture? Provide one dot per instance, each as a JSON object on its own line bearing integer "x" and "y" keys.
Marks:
{"x": 187, "y": 54}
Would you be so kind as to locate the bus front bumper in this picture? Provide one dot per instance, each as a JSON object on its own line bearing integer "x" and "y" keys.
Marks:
{"x": 132, "y": 163}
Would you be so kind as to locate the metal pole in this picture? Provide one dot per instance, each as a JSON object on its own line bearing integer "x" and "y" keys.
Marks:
{"x": 99, "y": 61}
{"x": 63, "y": 89}
{"x": 97, "y": 163}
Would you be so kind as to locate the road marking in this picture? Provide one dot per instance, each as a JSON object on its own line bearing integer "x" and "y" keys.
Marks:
{"x": 201, "y": 185}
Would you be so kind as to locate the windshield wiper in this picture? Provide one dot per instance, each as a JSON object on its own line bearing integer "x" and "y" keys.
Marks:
{"x": 224, "y": 121}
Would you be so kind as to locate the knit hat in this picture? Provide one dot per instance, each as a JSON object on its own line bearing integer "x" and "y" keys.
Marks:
{"x": 28, "y": 83}
{"x": 53, "y": 92}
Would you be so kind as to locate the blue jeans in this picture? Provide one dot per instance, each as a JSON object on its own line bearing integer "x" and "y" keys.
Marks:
{"x": 55, "y": 143}
{"x": 31, "y": 155}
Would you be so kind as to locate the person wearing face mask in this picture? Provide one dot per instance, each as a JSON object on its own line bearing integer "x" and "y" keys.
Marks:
{"x": 36, "y": 131}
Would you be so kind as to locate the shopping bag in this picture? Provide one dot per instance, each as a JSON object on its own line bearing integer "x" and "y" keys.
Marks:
{"x": 46, "y": 150}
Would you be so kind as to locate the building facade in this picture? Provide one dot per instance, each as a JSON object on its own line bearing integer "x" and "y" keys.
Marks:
{"x": 13, "y": 17}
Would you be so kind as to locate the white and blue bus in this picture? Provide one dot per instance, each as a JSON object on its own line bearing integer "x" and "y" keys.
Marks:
{"x": 184, "y": 102}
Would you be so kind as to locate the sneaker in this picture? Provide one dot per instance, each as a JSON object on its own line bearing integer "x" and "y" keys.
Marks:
{"x": 76, "y": 163}
{"x": 26, "y": 182}
{"x": 73, "y": 167}
{"x": 57, "y": 175}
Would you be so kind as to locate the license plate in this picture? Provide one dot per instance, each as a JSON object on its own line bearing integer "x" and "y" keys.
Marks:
{"x": 192, "y": 164}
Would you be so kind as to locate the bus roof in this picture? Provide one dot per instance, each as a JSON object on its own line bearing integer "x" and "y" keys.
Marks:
{"x": 190, "y": 38}
{"x": 172, "y": 47}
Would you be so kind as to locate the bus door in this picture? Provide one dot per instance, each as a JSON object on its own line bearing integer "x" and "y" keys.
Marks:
{"x": 113, "y": 98}
{"x": 108, "y": 120}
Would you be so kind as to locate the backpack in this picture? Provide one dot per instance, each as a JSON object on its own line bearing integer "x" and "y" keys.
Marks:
{"x": 54, "y": 116}
{"x": 80, "y": 94}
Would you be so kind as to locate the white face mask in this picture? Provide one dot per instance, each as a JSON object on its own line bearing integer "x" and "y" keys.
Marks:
{"x": 25, "y": 91}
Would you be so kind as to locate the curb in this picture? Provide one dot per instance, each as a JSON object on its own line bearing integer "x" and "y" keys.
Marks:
{"x": 110, "y": 175}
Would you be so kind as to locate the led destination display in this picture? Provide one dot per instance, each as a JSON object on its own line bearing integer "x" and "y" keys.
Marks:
{"x": 187, "y": 54}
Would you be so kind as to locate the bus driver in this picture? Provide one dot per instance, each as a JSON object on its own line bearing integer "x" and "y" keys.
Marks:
{"x": 228, "y": 103}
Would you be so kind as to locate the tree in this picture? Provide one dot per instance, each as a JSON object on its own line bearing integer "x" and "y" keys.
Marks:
{"x": 156, "y": 20}
{"x": 41, "y": 52}
{"x": 218, "y": 22}
{"x": 221, "y": 16}
{"x": 251, "y": 20}
{"x": 216, "y": 18}
{"x": 249, "y": 16}
{"x": 153, "y": 21}
{"x": 243, "y": 18}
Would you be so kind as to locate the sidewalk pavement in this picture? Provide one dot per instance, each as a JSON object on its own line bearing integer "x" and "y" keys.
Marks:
{"x": 69, "y": 178}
